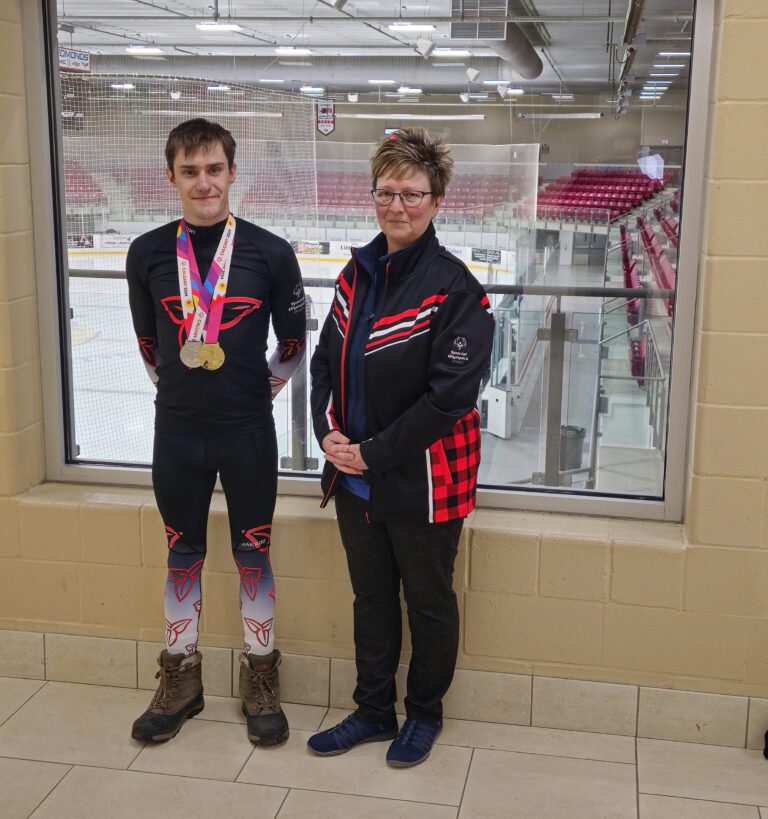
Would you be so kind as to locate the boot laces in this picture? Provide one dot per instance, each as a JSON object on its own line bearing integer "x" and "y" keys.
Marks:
{"x": 170, "y": 683}
{"x": 261, "y": 687}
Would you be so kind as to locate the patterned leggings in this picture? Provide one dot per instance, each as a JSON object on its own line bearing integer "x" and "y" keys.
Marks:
{"x": 184, "y": 470}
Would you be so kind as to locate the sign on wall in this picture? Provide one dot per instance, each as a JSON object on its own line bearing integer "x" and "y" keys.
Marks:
{"x": 486, "y": 254}
{"x": 326, "y": 117}
{"x": 71, "y": 59}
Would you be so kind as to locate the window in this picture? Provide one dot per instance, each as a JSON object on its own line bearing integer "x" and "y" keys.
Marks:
{"x": 570, "y": 202}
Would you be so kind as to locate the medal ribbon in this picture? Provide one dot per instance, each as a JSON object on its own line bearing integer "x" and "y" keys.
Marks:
{"x": 202, "y": 303}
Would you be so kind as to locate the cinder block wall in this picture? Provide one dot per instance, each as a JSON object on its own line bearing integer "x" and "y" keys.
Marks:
{"x": 553, "y": 595}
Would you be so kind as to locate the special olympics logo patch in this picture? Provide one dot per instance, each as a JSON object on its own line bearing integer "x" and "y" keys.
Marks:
{"x": 459, "y": 353}
{"x": 297, "y": 299}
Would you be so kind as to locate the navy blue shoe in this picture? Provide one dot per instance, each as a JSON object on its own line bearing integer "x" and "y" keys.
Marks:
{"x": 413, "y": 743}
{"x": 350, "y": 732}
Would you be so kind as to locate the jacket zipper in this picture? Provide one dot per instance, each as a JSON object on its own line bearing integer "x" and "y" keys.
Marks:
{"x": 327, "y": 496}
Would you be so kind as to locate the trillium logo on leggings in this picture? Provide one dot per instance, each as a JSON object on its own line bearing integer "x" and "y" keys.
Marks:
{"x": 249, "y": 577}
{"x": 184, "y": 579}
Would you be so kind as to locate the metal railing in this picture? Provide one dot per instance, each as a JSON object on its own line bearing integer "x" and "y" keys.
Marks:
{"x": 554, "y": 334}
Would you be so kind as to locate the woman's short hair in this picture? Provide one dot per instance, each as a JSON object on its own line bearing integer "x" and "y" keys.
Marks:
{"x": 412, "y": 149}
{"x": 193, "y": 134}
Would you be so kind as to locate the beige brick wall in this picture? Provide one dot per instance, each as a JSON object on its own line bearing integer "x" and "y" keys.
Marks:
{"x": 730, "y": 461}
{"x": 553, "y": 595}
{"x": 21, "y": 440}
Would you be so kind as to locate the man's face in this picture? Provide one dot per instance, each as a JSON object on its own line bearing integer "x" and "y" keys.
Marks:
{"x": 202, "y": 179}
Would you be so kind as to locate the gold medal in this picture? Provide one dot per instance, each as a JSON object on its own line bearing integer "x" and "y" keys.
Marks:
{"x": 211, "y": 356}
{"x": 190, "y": 353}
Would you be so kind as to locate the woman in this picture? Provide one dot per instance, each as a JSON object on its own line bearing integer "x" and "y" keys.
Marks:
{"x": 395, "y": 378}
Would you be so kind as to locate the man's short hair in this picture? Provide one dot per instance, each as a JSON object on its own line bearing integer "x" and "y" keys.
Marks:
{"x": 193, "y": 134}
{"x": 412, "y": 149}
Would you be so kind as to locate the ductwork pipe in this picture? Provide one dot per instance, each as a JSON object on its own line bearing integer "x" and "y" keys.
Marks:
{"x": 518, "y": 53}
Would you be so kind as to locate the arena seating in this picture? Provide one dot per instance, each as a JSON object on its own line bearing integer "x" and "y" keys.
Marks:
{"x": 148, "y": 188}
{"x": 669, "y": 226}
{"x": 637, "y": 358}
{"x": 80, "y": 186}
{"x": 468, "y": 195}
{"x": 631, "y": 276}
{"x": 596, "y": 195}
{"x": 662, "y": 268}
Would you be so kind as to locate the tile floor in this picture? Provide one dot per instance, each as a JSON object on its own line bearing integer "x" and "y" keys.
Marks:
{"x": 66, "y": 753}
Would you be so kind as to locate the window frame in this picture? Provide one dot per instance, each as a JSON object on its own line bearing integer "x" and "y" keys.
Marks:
{"x": 39, "y": 44}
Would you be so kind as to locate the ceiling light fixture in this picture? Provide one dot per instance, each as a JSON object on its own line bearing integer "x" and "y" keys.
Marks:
{"x": 122, "y": 86}
{"x": 216, "y": 26}
{"x": 352, "y": 96}
{"x": 562, "y": 97}
{"x": 302, "y": 63}
{"x": 142, "y": 49}
{"x": 670, "y": 65}
{"x": 404, "y": 89}
{"x": 381, "y": 82}
{"x": 443, "y": 117}
{"x": 312, "y": 89}
{"x": 338, "y": 4}
{"x": 580, "y": 115}
{"x": 674, "y": 54}
{"x": 218, "y": 88}
{"x": 266, "y": 80}
{"x": 663, "y": 74}
{"x": 293, "y": 51}
{"x": 452, "y": 52}
{"x": 411, "y": 27}
{"x": 472, "y": 74}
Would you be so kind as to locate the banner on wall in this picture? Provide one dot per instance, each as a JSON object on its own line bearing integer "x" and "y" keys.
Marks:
{"x": 71, "y": 59}
{"x": 311, "y": 248}
{"x": 486, "y": 254}
{"x": 326, "y": 117}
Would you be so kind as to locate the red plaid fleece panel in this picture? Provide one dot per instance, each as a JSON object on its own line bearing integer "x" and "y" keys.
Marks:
{"x": 454, "y": 461}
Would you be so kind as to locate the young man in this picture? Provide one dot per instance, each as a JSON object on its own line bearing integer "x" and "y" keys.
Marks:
{"x": 202, "y": 291}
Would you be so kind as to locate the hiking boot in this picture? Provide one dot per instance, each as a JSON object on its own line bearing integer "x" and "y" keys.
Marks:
{"x": 414, "y": 743}
{"x": 260, "y": 692}
{"x": 352, "y": 731}
{"x": 178, "y": 697}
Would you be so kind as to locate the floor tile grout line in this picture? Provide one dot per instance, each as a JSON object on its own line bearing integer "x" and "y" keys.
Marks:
{"x": 466, "y": 780}
{"x": 28, "y": 699}
{"x": 701, "y": 799}
{"x": 637, "y": 780}
{"x": 40, "y": 803}
{"x": 285, "y": 799}
{"x": 245, "y": 762}
{"x": 358, "y": 795}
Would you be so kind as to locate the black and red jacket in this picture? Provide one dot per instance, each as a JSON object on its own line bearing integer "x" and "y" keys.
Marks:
{"x": 427, "y": 348}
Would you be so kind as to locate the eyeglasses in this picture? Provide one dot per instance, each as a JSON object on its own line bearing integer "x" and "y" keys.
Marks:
{"x": 381, "y": 196}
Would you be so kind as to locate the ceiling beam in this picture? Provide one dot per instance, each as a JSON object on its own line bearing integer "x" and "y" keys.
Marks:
{"x": 542, "y": 19}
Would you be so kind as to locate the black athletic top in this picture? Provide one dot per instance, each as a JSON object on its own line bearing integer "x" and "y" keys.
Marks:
{"x": 264, "y": 281}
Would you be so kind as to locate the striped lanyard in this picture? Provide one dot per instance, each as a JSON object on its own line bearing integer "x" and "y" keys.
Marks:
{"x": 202, "y": 303}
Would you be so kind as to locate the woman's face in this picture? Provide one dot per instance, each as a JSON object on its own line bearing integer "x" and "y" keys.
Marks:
{"x": 401, "y": 224}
